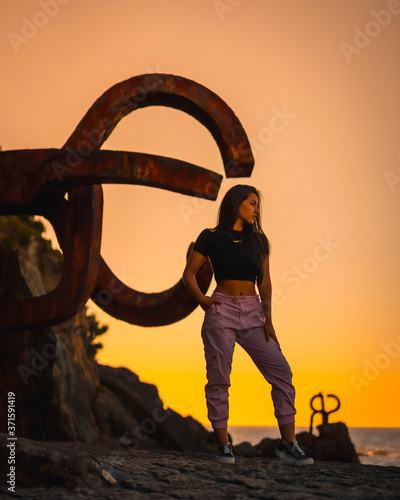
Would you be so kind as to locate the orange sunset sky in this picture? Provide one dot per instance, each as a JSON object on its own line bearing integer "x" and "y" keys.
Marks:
{"x": 316, "y": 85}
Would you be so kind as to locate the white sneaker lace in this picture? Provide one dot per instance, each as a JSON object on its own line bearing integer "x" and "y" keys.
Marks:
{"x": 227, "y": 448}
{"x": 297, "y": 448}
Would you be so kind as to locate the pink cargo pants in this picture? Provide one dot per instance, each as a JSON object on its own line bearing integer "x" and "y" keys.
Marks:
{"x": 241, "y": 319}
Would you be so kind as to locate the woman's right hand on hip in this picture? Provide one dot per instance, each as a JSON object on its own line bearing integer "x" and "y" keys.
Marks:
{"x": 207, "y": 302}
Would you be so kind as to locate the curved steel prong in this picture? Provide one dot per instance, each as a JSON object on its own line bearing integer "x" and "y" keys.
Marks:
{"x": 165, "y": 90}
{"x": 79, "y": 219}
{"x": 43, "y": 174}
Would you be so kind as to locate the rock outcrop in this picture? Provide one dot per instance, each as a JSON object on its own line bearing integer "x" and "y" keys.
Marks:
{"x": 154, "y": 426}
{"x": 333, "y": 444}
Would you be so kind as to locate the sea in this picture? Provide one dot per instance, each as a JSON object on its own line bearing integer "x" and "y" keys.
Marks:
{"x": 374, "y": 445}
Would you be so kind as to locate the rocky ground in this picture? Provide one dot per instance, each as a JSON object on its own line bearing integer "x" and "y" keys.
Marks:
{"x": 99, "y": 471}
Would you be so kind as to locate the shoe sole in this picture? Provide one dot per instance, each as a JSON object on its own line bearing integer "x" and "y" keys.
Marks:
{"x": 293, "y": 461}
{"x": 226, "y": 460}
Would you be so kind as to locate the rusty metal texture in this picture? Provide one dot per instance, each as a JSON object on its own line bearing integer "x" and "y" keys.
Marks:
{"x": 174, "y": 92}
{"x": 45, "y": 174}
{"x": 36, "y": 182}
{"x": 79, "y": 221}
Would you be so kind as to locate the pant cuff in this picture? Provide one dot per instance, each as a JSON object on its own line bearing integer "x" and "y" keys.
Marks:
{"x": 219, "y": 424}
{"x": 286, "y": 419}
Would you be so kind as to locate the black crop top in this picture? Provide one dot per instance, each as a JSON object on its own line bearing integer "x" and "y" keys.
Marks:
{"x": 230, "y": 261}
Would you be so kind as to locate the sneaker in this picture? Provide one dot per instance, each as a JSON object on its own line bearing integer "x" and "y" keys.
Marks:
{"x": 225, "y": 454}
{"x": 292, "y": 453}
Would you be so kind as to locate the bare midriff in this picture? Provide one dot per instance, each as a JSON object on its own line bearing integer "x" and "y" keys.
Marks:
{"x": 236, "y": 287}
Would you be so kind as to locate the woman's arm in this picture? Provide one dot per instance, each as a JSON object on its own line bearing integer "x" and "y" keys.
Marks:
{"x": 189, "y": 278}
{"x": 265, "y": 289}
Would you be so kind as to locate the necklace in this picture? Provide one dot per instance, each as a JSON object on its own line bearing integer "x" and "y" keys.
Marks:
{"x": 235, "y": 241}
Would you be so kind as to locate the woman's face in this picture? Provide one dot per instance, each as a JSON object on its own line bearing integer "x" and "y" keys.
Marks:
{"x": 248, "y": 209}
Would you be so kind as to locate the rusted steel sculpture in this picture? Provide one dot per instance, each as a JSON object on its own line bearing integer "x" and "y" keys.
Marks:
{"x": 37, "y": 181}
{"x": 325, "y": 414}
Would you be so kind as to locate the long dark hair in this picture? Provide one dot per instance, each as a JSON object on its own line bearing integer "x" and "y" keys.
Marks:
{"x": 228, "y": 214}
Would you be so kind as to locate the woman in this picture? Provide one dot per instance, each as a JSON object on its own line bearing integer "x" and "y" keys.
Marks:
{"x": 239, "y": 253}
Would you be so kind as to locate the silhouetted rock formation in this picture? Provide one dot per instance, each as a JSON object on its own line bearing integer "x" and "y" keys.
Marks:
{"x": 154, "y": 427}
{"x": 332, "y": 445}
